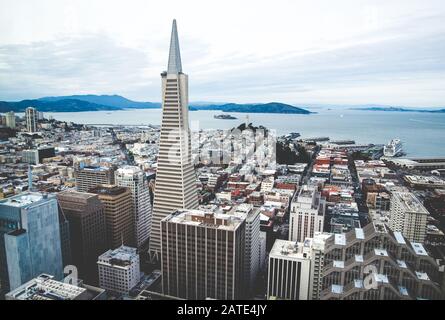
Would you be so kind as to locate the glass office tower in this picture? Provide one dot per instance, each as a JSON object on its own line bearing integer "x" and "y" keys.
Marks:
{"x": 30, "y": 241}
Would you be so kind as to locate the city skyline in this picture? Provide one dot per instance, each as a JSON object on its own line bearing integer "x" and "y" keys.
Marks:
{"x": 122, "y": 201}
{"x": 358, "y": 52}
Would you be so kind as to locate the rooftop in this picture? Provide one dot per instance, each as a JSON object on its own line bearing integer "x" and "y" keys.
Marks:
{"x": 205, "y": 219}
{"x": 291, "y": 249}
{"x": 422, "y": 276}
{"x": 44, "y": 287}
{"x": 432, "y": 180}
{"x": 108, "y": 189}
{"x": 419, "y": 249}
{"x": 95, "y": 168}
{"x": 340, "y": 239}
{"x": 121, "y": 257}
{"x": 25, "y": 199}
{"x": 129, "y": 170}
{"x": 410, "y": 202}
{"x": 75, "y": 195}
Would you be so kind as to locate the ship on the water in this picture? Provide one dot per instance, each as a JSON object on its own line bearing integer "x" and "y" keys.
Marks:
{"x": 393, "y": 148}
{"x": 224, "y": 117}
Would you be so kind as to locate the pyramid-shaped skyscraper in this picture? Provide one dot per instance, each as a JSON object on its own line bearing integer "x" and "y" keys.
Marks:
{"x": 175, "y": 186}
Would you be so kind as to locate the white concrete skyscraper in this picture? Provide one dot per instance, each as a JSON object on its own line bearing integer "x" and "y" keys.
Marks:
{"x": 175, "y": 186}
{"x": 408, "y": 216}
{"x": 133, "y": 178}
{"x": 10, "y": 119}
{"x": 31, "y": 119}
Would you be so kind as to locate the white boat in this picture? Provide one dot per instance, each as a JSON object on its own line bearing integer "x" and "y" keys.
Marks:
{"x": 393, "y": 148}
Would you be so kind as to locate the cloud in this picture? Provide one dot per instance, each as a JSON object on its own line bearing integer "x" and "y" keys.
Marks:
{"x": 292, "y": 52}
{"x": 78, "y": 64}
{"x": 403, "y": 69}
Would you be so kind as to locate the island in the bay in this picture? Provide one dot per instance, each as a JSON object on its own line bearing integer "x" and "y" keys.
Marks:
{"x": 224, "y": 117}
{"x": 397, "y": 109}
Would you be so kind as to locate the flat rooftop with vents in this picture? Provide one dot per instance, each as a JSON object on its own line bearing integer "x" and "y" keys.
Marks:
{"x": 409, "y": 202}
{"x": 205, "y": 219}
{"x": 121, "y": 257}
{"x": 108, "y": 190}
{"x": 45, "y": 287}
{"x": 25, "y": 199}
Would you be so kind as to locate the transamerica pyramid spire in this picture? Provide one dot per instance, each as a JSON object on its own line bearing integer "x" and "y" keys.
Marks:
{"x": 174, "y": 57}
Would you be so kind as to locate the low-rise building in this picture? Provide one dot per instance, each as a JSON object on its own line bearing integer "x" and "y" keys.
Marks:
{"x": 119, "y": 269}
{"x": 45, "y": 287}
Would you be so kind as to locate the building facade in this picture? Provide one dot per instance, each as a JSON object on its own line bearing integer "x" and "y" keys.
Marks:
{"x": 29, "y": 239}
{"x": 175, "y": 186}
{"x": 296, "y": 268}
{"x": 203, "y": 255}
{"x": 289, "y": 271}
{"x": 307, "y": 214}
{"x": 88, "y": 177}
{"x": 10, "y": 119}
{"x": 88, "y": 234}
{"x": 31, "y": 116}
{"x": 36, "y": 156}
{"x": 119, "y": 214}
{"x": 119, "y": 269}
{"x": 375, "y": 263}
{"x": 254, "y": 251}
{"x": 408, "y": 216}
{"x": 133, "y": 178}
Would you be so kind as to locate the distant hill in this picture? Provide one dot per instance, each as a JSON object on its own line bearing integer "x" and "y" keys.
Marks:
{"x": 107, "y": 100}
{"x": 398, "y": 109}
{"x": 272, "y": 107}
{"x": 77, "y": 103}
{"x": 64, "y": 105}
{"x": 90, "y": 102}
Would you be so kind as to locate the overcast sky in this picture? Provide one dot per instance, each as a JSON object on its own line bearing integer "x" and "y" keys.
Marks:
{"x": 293, "y": 51}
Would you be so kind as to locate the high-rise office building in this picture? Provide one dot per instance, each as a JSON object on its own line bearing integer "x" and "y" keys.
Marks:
{"x": 296, "y": 268}
{"x": 10, "y": 119}
{"x": 203, "y": 255}
{"x": 133, "y": 178}
{"x": 119, "y": 270}
{"x": 255, "y": 246}
{"x": 408, "y": 216}
{"x": 306, "y": 214}
{"x": 29, "y": 239}
{"x": 88, "y": 235}
{"x": 175, "y": 186}
{"x": 318, "y": 244}
{"x": 31, "y": 116}
{"x": 375, "y": 263}
{"x": 119, "y": 214}
{"x": 65, "y": 241}
{"x": 88, "y": 177}
{"x": 289, "y": 275}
